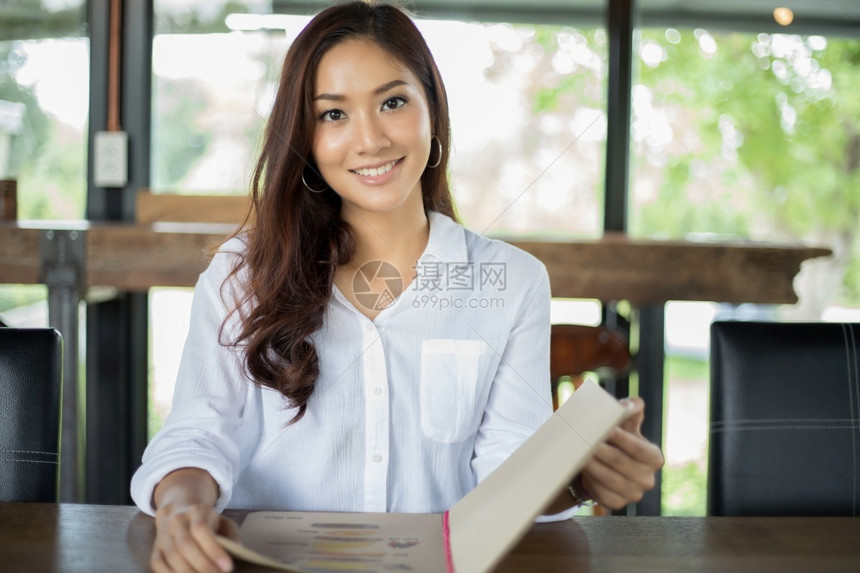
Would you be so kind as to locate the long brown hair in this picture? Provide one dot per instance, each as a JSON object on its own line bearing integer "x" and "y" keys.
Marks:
{"x": 295, "y": 238}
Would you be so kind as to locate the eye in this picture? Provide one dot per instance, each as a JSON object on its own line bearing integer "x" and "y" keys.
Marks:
{"x": 332, "y": 115}
{"x": 395, "y": 102}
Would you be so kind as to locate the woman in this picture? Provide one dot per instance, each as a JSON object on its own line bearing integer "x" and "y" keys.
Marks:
{"x": 354, "y": 348}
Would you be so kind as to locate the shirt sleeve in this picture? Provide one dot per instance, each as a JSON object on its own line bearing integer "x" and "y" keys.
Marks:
{"x": 208, "y": 401}
{"x": 561, "y": 516}
{"x": 519, "y": 400}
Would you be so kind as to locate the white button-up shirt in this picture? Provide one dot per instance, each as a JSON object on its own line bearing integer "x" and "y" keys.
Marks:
{"x": 410, "y": 411}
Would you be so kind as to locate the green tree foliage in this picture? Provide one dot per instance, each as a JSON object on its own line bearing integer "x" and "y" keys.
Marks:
{"x": 46, "y": 156}
{"x": 37, "y": 126}
{"x": 775, "y": 122}
{"x": 735, "y": 135}
{"x": 581, "y": 86}
{"x": 203, "y": 17}
{"x": 56, "y": 178}
{"x": 180, "y": 139}
{"x": 30, "y": 20}
{"x": 543, "y": 173}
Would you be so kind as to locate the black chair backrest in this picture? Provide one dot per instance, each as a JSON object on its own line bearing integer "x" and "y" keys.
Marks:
{"x": 30, "y": 395}
{"x": 785, "y": 419}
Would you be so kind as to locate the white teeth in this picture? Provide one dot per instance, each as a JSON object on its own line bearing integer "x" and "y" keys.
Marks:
{"x": 374, "y": 171}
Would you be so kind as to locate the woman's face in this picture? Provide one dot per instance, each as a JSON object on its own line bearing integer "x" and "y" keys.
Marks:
{"x": 372, "y": 133}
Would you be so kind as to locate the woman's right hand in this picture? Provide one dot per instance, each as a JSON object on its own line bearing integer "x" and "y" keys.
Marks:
{"x": 186, "y": 524}
{"x": 185, "y": 539}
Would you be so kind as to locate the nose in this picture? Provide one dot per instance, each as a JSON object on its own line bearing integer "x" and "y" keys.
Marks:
{"x": 370, "y": 136}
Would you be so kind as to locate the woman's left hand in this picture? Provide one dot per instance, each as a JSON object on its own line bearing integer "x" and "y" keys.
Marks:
{"x": 623, "y": 467}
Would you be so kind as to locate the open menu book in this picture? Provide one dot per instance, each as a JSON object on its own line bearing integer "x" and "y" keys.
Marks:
{"x": 470, "y": 537}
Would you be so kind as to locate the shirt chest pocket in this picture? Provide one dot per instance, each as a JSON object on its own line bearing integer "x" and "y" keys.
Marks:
{"x": 453, "y": 388}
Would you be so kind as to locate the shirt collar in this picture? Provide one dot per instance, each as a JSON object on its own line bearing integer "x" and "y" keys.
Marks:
{"x": 447, "y": 239}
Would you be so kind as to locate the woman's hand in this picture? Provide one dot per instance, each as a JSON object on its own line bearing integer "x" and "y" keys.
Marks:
{"x": 186, "y": 524}
{"x": 623, "y": 467}
{"x": 185, "y": 539}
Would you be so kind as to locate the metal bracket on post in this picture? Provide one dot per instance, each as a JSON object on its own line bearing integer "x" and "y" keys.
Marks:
{"x": 63, "y": 272}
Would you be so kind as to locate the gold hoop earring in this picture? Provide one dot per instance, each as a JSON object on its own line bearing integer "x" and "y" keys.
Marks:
{"x": 312, "y": 189}
{"x": 438, "y": 159}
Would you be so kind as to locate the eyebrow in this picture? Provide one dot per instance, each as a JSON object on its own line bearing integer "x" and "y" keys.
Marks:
{"x": 381, "y": 89}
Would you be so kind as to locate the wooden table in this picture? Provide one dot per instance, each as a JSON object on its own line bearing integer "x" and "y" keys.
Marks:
{"x": 96, "y": 538}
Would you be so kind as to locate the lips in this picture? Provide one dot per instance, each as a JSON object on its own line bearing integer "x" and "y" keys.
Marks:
{"x": 376, "y": 171}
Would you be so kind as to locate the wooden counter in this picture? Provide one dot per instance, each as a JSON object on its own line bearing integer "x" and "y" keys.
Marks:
{"x": 136, "y": 257}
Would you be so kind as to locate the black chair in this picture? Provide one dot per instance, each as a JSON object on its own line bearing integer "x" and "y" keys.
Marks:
{"x": 785, "y": 419}
{"x": 31, "y": 370}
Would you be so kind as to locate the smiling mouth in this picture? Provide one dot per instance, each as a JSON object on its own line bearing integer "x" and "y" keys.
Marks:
{"x": 376, "y": 171}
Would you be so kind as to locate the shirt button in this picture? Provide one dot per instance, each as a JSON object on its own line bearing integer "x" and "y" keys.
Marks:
{"x": 377, "y": 391}
{"x": 368, "y": 327}
{"x": 377, "y": 458}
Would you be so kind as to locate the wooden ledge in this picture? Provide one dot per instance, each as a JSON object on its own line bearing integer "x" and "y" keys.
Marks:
{"x": 135, "y": 257}
{"x": 651, "y": 271}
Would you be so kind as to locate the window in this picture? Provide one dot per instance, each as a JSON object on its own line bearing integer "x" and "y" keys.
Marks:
{"x": 527, "y": 109}
{"x": 44, "y": 75}
{"x": 743, "y": 136}
{"x": 44, "y": 87}
{"x": 528, "y": 120}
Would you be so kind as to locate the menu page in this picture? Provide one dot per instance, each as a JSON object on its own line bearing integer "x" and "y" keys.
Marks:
{"x": 471, "y": 537}
{"x": 527, "y": 482}
{"x": 314, "y": 542}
